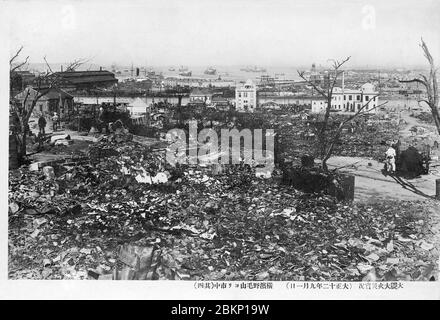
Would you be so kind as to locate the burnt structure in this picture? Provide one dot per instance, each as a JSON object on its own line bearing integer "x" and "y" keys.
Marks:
{"x": 53, "y": 100}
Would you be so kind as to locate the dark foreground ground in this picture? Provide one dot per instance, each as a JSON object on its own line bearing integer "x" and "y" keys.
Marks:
{"x": 97, "y": 221}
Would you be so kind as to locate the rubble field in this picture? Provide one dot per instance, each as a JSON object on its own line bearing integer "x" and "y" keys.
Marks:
{"x": 126, "y": 215}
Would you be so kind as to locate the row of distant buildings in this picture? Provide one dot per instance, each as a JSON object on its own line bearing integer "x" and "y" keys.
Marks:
{"x": 347, "y": 100}
{"x": 60, "y": 100}
{"x": 245, "y": 98}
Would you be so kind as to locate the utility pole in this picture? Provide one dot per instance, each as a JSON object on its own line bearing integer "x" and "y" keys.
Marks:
{"x": 380, "y": 88}
{"x": 79, "y": 119}
{"x": 343, "y": 88}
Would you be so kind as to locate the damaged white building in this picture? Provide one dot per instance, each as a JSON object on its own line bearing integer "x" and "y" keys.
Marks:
{"x": 349, "y": 100}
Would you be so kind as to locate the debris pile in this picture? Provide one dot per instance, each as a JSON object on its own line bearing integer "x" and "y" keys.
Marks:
{"x": 118, "y": 133}
{"x": 101, "y": 221}
{"x": 97, "y": 222}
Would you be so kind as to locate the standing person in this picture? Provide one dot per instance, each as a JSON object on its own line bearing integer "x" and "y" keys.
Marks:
{"x": 55, "y": 119}
{"x": 391, "y": 160}
{"x": 101, "y": 113}
{"x": 42, "y": 125}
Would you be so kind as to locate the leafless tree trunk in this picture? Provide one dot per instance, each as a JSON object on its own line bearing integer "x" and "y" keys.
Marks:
{"x": 431, "y": 85}
{"x": 326, "y": 140}
{"x": 334, "y": 138}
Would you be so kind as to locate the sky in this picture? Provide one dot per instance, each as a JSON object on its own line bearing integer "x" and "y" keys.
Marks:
{"x": 227, "y": 32}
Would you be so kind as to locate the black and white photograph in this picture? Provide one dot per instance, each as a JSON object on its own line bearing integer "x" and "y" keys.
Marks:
{"x": 225, "y": 145}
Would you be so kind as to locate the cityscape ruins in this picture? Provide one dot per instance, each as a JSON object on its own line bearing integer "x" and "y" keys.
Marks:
{"x": 92, "y": 195}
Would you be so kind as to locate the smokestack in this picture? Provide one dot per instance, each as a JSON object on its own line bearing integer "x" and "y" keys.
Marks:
{"x": 100, "y": 68}
{"x": 61, "y": 68}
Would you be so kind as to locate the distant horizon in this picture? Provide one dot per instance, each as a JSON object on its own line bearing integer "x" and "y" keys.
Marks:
{"x": 96, "y": 66}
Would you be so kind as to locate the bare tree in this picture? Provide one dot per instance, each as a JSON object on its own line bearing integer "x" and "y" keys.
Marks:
{"x": 326, "y": 138}
{"x": 431, "y": 85}
{"x": 15, "y": 79}
{"x": 22, "y": 110}
{"x": 15, "y": 66}
{"x": 75, "y": 64}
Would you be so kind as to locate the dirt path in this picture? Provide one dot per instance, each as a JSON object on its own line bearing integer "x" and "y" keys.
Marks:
{"x": 371, "y": 185}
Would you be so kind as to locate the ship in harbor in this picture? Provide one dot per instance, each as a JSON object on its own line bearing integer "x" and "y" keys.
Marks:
{"x": 150, "y": 72}
{"x": 253, "y": 69}
{"x": 211, "y": 71}
{"x": 186, "y": 73}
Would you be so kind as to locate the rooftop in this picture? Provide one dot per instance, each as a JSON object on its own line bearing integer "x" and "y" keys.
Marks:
{"x": 53, "y": 93}
{"x": 79, "y": 78}
{"x": 201, "y": 92}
